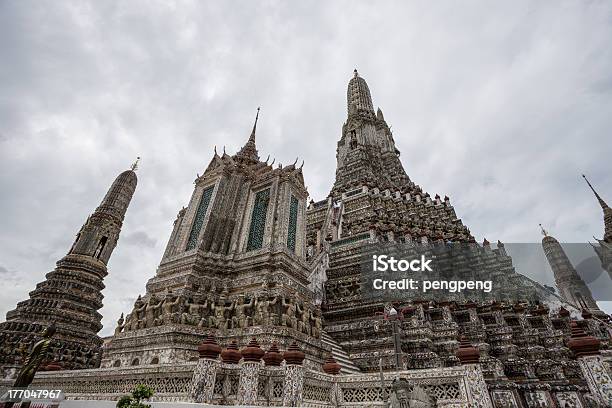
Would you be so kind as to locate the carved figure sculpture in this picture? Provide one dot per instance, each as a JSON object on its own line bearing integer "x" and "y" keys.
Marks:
{"x": 150, "y": 309}
{"x": 263, "y": 314}
{"x": 240, "y": 318}
{"x": 35, "y": 358}
{"x": 220, "y": 322}
{"x": 168, "y": 307}
{"x": 304, "y": 323}
{"x": 289, "y": 318}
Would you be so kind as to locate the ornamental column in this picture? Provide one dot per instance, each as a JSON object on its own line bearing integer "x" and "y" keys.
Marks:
{"x": 476, "y": 387}
{"x": 249, "y": 373}
{"x": 294, "y": 376}
{"x": 204, "y": 375}
{"x": 331, "y": 367}
{"x": 230, "y": 357}
{"x": 586, "y": 350}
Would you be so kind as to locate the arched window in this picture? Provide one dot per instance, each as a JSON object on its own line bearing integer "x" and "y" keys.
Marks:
{"x": 100, "y": 247}
{"x": 117, "y": 363}
{"x": 155, "y": 360}
{"x": 135, "y": 362}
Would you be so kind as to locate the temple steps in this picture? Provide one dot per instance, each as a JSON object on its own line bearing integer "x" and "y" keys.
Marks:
{"x": 348, "y": 367}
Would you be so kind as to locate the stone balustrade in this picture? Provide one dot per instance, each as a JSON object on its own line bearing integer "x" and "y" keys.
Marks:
{"x": 452, "y": 387}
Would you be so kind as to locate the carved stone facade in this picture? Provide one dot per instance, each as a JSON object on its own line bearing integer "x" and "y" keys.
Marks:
{"x": 71, "y": 295}
{"x": 248, "y": 259}
{"x": 235, "y": 265}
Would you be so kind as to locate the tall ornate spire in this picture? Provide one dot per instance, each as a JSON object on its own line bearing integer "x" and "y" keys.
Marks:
{"x": 607, "y": 213}
{"x": 358, "y": 96}
{"x": 249, "y": 150}
{"x": 601, "y": 201}
{"x": 71, "y": 295}
{"x": 571, "y": 286}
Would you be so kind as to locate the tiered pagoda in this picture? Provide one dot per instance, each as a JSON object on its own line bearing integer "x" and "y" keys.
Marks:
{"x": 235, "y": 265}
{"x": 71, "y": 295}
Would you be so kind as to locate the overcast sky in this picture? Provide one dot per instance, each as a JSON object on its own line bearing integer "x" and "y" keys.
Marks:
{"x": 501, "y": 107}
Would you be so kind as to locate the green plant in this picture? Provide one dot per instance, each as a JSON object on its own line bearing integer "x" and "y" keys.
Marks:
{"x": 141, "y": 392}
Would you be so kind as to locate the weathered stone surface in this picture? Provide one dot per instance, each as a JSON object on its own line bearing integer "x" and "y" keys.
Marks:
{"x": 71, "y": 295}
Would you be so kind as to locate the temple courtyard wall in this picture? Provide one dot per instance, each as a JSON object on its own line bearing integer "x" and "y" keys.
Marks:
{"x": 255, "y": 384}
{"x": 211, "y": 382}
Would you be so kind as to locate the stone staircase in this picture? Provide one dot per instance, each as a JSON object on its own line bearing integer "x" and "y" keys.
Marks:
{"x": 348, "y": 367}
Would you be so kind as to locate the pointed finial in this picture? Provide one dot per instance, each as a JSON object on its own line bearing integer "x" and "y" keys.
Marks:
{"x": 295, "y": 162}
{"x": 215, "y": 150}
{"x": 134, "y": 165}
{"x": 302, "y": 164}
{"x": 273, "y": 160}
{"x": 355, "y": 73}
{"x": 601, "y": 201}
{"x": 255, "y": 124}
{"x": 267, "y": 158}
{"x": 544, "y": 232}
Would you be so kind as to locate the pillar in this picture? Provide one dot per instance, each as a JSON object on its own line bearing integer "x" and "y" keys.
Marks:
{"x": 294, "y": 376}
{"x": 476, "y": 387}
{"x": 586, "y": 350}
{"x": 203, "y": 380}
{"x": 249, "y": 373}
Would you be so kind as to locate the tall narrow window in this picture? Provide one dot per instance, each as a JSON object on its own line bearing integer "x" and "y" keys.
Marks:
{"x": 293, "y": 212}
{"x": 258, "y": 220}
{"x": 100, "y": 247}
{"x": 199, "y": 218}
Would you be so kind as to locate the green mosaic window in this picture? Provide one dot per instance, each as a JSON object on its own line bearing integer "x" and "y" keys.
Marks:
{"x": 293, "y": 211}
{"x": 199, "y": 218}
{"x": 258, "y": 220}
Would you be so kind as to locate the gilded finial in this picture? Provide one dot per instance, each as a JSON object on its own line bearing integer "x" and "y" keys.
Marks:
{"x": 134, "y": 165}
{"x": 544, "y": 232}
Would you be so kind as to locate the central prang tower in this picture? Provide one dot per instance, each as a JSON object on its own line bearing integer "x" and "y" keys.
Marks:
{"x": 366, "y": 152}
{"x": 234, "y": 265}
{"x": 374, "y": 201}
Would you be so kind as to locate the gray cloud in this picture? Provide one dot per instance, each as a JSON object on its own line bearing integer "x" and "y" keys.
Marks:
{"x": 501, "y": 107}
{"x": 140, "y": 238}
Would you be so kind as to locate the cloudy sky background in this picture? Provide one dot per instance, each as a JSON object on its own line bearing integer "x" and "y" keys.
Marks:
{"x": 501, "y": 107}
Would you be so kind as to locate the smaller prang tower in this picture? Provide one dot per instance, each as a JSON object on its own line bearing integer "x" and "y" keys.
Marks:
{"x": 571, "y": 286}
{"x": 71, "y": 295}
{"x": 235, "y": 265}
{"x": 604, "y": 250}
